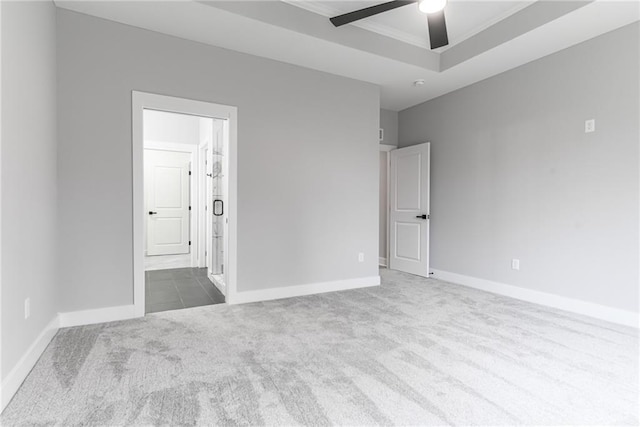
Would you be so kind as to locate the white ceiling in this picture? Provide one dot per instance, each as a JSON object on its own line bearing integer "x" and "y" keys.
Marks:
{"x": 407, "y": 24}
{"x": 487, "y": 37}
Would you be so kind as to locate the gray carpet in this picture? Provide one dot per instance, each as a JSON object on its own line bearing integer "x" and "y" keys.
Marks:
{"x": 411, "y": 352}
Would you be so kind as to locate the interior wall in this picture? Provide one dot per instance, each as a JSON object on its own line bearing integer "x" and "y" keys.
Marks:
{"x": 514, "y": 175}
{"x": 28, "y": 175}
{"x": 389, "y": 122}
{"x": 162, "y": 126}
{"x": 307, "y": 159}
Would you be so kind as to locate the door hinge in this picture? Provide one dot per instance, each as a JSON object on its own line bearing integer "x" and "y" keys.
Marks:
{"x": 189, "y": 242}
{"x": 189, "y": 173}
{"x": 189, "y": 207}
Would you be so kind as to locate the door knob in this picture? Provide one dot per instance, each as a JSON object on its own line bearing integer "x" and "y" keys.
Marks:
{"x": 421, "y": 216}
{"x": 153, "y": 213}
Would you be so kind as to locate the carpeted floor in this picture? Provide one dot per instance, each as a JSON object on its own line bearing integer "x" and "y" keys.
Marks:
{"x": 411, "y": 352}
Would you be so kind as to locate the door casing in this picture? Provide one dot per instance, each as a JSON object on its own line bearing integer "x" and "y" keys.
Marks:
{"x": 386, "y": 149}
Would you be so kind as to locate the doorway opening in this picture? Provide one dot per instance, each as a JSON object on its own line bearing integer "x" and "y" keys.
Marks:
{"x": 383, "y": 216}
{"x": 174, "y": 276}
{"x": 170, "y": 190}
{"x": 184, "y": 202}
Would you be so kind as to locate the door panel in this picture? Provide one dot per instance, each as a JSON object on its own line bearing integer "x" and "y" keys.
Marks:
{"x": 168, "y": 231}
{"x": 167, "y": 200}
{"x": 409, "y": 201}
{"x": 408, "y": 174}
{"x": 168, "y": 186}
{"x": 407, "y": 241}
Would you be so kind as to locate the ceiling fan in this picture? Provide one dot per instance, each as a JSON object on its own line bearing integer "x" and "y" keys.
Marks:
{"x": 433, "y": 8}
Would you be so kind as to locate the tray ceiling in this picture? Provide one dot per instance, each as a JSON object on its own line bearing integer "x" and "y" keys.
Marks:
{"x": 407, "y": 24}
{"x": 487, "y": 37}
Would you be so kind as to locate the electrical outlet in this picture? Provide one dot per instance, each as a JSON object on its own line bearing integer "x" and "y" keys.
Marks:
{"x": 589, "y": 126}
{"x": 360, "y": 257}
{"x": 515, "y": 264}
{"x": 27, "y": 308}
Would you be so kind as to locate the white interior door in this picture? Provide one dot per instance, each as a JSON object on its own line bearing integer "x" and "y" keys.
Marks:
{"x": 167, "y": 202}
{"x": 409, "y": 210}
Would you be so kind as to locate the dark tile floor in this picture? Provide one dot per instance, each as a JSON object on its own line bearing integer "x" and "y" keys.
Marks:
{"x": 179, "y": 288}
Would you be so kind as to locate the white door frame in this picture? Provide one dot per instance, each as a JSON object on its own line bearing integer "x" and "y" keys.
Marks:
{"x": 386, "y": 148}
{"x": 139, "y": 102}
{"x": 194, "y": 194}
{"x": 202, "y": 197}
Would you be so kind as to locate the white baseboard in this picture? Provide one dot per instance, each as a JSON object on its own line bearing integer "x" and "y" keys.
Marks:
{"x": 221, "y": 286}
{"x": 99, "y": 315}
{"x": 76, "y": 318}
{"x": 300, "y": 290}
{"x": 14, "y": 379}
{"x": 610, "y": 314}
{"x": 382, "y": 262}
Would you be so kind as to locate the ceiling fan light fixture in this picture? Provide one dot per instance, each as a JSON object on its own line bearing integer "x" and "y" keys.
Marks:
{"x": 431, "y": 6}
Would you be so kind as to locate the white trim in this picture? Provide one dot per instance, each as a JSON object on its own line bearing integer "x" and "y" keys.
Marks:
{"x": 3, "y": 400}
{"x": 202, "y": 200}
{"x": 194, "y": 192}
{"x": 382, "y": 261}
{"x": 139, "y": 102}
{"x": 170, "y": 146}
{"x": 386, "y": 148}
{"x": 19, "y": 373}
{"x": 98, "y": 315}
{"x": 610, "y": 314}
{"x": 300, "y": 290}
{"x": 232, "y": 194}
{"x": 221, "y": 287}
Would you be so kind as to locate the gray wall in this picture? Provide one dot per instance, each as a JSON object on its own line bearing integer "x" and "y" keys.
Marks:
{"x": 308, "y": 150}
{"x": 515, "y": 176}
{"x": 389, "y": 122}
{"x": 28, "y": 178}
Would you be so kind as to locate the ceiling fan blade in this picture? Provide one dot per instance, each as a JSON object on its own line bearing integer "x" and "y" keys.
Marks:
{"x": 437, "y": 29}
{"x": 368, "y": 11}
